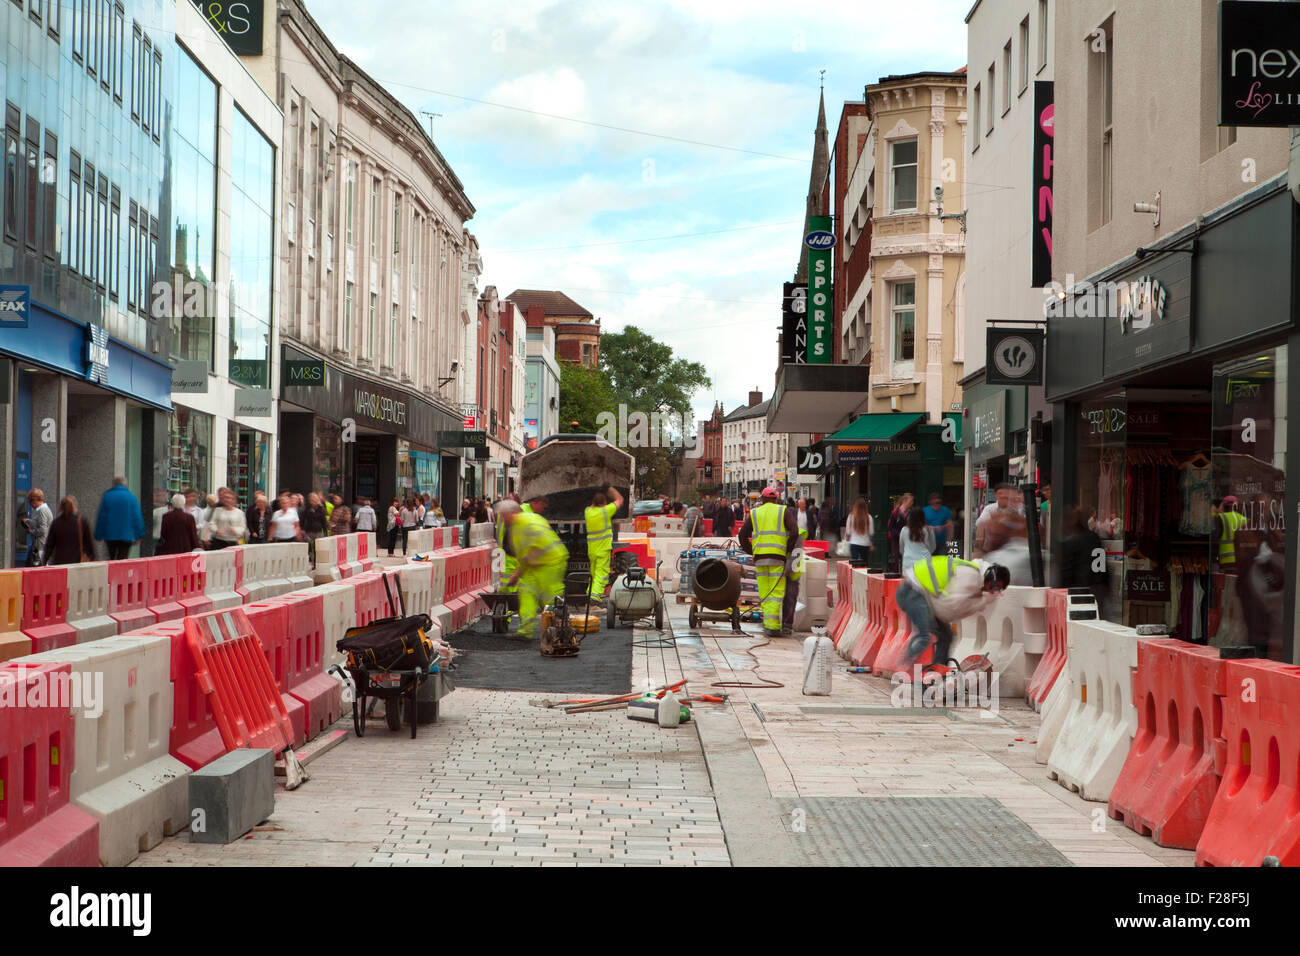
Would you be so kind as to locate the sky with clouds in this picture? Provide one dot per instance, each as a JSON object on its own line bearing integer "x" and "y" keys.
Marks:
{"x": 727, "y": 88}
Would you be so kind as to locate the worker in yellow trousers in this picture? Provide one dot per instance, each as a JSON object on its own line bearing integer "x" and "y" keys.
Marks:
{"x": 790, "y": 600}
{"x": 600, "y": 538}
{"x": 509, "y": 563}
{"x": 542, "y": 559}
{"x": 771, "y": 534}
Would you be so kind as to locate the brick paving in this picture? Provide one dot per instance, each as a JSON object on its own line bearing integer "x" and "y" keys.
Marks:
{"x": 501, "y": 781}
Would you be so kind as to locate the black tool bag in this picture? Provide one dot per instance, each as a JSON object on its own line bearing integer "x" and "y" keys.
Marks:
{"x": 393, "y": 644}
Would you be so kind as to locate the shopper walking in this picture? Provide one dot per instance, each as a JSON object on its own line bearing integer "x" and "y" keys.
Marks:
{"x": 120, "y": 522}
{"x": 227, "y": 525}
{"x": 828, "y": 525}
{"x": 365, "y": 515}
{"x": 258, "y": 520}
{"x": 69, "y": 540}
{"x": 193, "y": 509}
{"x": 285, "y": 524}
{"x": 409, "y": 518}
{"x": 918, "y": 539}
{"x": 341, "y": 519}
{"x": 861, "y": 530}
{"x": 938, "y": 517}
{"x": 38, "y": 521}
{"x": 897, "y": 522}
{"x": 177, "y": 534}
{"x": 314, "y": 522}
{"x": 724, "y": 519}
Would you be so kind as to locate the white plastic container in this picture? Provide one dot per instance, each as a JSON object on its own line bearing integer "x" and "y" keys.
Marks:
{"x": 818, "y": 655}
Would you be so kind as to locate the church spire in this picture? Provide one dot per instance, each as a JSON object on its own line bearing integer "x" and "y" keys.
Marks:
{"x": 821, "y": 164}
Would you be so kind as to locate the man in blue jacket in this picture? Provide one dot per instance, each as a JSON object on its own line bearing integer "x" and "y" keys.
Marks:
{"x": 120, "y": 522}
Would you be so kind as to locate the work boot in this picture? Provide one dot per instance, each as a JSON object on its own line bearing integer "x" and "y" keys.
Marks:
{"x": 787, "y": 632}
{"x": 771, "y": 634}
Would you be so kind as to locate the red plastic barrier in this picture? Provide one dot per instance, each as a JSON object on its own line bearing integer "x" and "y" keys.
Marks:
{"x": 232, "y": 670}
{"x": 816, "y": 549}
{"x": 897, "y": 632}
{"x": 320, "y": 694}
{"x": 639, "y": 550}
{"x": 240, "y": 589}
{"x": 371, "y": 601}
{"x": 453, "y": 540}
{"x": 38, "y": 826}
{"x": 192, "y": 583}
{"x": 843, "y": 609}
{"x": 867, "y": 649}
{"x": 45, "y": 609}
{"x": 1054, "y": 658}
{"x": 270, "y": 622}
{"x": 195, "y": 739}
{"x": 363, "y": 549}
{"x": 162, "y": 596}
{"x": 1256, "y": 811}
{"x": 1169, "y": 779}
{"x": 341, "y": 556}
{"x": 127, "y": 595}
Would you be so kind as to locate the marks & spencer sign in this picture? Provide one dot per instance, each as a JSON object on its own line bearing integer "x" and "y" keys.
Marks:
{"x": 1259, "y": 63}
{"x": 239, "y": 22}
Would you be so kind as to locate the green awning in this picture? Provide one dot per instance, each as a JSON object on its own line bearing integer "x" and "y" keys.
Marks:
{"x": 881, "y": 426}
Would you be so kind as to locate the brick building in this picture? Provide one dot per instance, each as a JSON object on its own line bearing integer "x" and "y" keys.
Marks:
{"x": 577, "y": 336}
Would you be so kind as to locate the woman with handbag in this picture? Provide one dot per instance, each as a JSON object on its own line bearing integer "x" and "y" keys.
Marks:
{"x": 69, "y": 540}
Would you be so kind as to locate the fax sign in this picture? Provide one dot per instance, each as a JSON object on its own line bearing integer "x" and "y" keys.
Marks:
{"x": 819, "y": 239}
{"x": 15, "y": 306}
{"x": 97, "y": 354}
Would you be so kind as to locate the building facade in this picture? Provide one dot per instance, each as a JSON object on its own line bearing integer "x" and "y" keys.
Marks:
{"x": 373, "y": 237}
{"x": 1172, "y": 329}
{"x": 223, "y": 229}
{"x": 577, "y": 337}
{"x": 542, "y": 388}
{"x": 1009, "y": 90}
{"x": 90, "y": 104}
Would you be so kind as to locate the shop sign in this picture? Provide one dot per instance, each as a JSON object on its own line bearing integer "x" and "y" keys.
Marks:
{"x": 811, "y": 460}
{"x": 97, "y": 354}
{"x": 190, "y": 376}
{"x": 1015, "y": 357}
{"x": 380, "y": 408}
{"x": 1102, "y": 425}
{"x": 988, "y": 416}
{"x": 466, "y": 439}
{"x": 794, "y": 324}
{"x": 1044, "y": 160}
{"x": 1259, "y": 64}
{"x": 1141, "y": 303}
{"x": 309, "y": 373}
{"x": 239, "y": 22}
{"x": 250, "y": 372}
{"x": 15, "y": 306}
{"x": 820, "y": 241}
{"x": 253, "y": 403}
{"x": 1146, "y": 586}
{"x": 470, "y": 423}
{"x": 852, "y": 454}
{"x": 1148, "y": 317}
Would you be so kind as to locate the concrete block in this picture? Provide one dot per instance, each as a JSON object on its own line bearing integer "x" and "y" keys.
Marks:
{"x": 231, "y": 795}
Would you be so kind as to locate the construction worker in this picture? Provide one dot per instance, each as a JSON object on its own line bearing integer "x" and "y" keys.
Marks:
{"x": 509, "y": 563}
{"x": 541, "y": 557}
{"x": 1228, "y": 521}
{"x": 790, "y": 602}
{"x": 940, "y": 591}
{"x": 600, "y": 538}
{"x": 771, "y": 534}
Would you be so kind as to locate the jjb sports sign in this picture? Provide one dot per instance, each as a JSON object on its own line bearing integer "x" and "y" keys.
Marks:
{"x": 820, "y": 242}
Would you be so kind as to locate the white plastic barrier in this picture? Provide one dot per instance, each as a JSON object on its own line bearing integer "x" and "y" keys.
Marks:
{"x": 812, "y": 595}
{"x": 1099, "y": 724}
{"x": 277, "y": 559}
{"x": 481, "y": 534}
{"x": 88, "y": 601}
{"x": 339, "y": 612}
{"x": 1013, "y": 623}
{"x": 253, "y": 584}
{"x": 438, "y": 592}
{"x": 417, "y": 586}
{"x": 123, "y": 775}
{"x": 327, "y": 569}
{"x": 221, "y": 574}
{"x": 297, "y": 566}
{"x": 1051, "y": 718}
{"x": 857, "y": 622}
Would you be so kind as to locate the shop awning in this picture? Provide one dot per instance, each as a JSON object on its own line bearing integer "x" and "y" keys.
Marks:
{"x": 879, "y": 426}
{"x": 816, "y": 398}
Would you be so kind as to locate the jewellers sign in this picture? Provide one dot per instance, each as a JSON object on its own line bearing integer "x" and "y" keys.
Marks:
{"x": 1259, "y": 63}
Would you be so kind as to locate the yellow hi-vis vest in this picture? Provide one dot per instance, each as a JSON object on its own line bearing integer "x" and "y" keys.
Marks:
{"x": 769, "y": 537}
{"x": 934, "y": 573}
{"x": 536, "y": 544}
{"x": 511, "y": 562}
{"x": 1233, "y": 521}
{"x": 600, "y": 532}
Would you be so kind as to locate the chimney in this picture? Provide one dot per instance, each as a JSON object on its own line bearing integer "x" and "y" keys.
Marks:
{"x": 755, "y": 398}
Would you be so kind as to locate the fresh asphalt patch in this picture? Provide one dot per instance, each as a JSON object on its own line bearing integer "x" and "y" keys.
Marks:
{"x": 490, "y": 661}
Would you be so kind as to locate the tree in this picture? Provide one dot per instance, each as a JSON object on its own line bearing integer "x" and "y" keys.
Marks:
{"x": 585, "y": 392}
{"x": 647, "y": 377}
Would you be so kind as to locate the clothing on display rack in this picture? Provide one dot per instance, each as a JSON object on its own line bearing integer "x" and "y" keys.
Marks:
{"x": 1196, "y": 486}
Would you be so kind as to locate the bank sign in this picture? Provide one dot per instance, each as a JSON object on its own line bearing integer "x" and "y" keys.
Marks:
{"x": 1259, "y": 63}
{"x": 821, "y": 244}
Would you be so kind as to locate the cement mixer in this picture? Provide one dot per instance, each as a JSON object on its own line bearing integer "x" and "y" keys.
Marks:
{"x": 715, "y": 593}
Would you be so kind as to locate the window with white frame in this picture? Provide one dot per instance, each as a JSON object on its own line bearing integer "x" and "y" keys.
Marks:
{"x": 351, "y": 202}
{"x": 975, "y": 120}
{"x": 902, "y": 164}
{"x": 1024, "y": 54}
{"x": 903, "y": 326}
{"x": 1042, "y": 33}
{"x": 993, "y": 98}
{"x": 1006, "y": 78}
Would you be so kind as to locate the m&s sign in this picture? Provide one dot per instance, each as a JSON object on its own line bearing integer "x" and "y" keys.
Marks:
{"x": 238, "y": 21}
